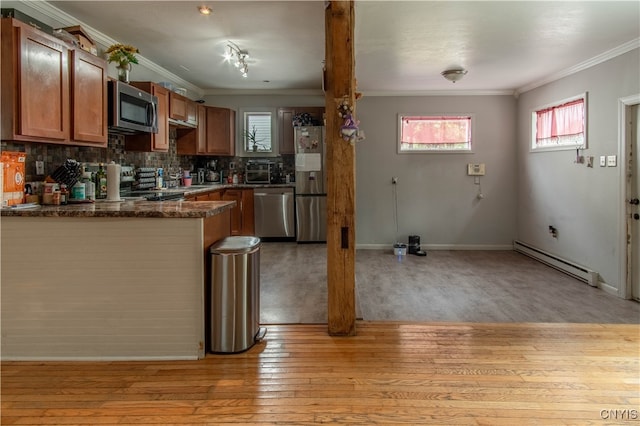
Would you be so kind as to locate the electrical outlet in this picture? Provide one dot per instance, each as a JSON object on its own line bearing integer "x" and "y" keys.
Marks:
{"x": 612, "y": 161}
{"x": 603, "y": 161}
{"x": 394, "y": 180}
{"x": 39, "y": 168}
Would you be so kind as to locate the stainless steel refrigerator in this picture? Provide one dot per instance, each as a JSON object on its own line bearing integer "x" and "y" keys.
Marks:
{"x": 311, "y": 195}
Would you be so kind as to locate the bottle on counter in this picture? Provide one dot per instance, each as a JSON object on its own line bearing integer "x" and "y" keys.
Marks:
{"x": 234, "y": 179}
{"x": 159, "y": 176}
{"x": 89, "y": 185}
{"x": 64, "y": 194}
{"x": 101, "y": 182}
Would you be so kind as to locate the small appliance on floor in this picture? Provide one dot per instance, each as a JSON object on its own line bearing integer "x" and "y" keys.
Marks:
{"x": 414, "y": 246}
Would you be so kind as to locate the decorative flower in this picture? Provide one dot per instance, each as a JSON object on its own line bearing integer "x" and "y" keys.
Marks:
{"x": 123, "y": 54}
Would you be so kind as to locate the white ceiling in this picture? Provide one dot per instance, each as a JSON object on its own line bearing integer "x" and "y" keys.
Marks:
{"x": 401, "y": 46}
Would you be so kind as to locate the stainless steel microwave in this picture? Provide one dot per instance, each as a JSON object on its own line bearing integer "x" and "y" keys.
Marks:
{"x": 131, "y": 110}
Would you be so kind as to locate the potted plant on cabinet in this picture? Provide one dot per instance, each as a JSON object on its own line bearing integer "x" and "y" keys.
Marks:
{"x": 123, "y": 55}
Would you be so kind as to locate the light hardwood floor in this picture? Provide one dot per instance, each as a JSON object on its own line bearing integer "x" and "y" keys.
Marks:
{"x": 459, "y": 286}
{"x": 390, "y": 373}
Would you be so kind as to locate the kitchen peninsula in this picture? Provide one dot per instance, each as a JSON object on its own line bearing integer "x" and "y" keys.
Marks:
{"x": 108, "y": 281}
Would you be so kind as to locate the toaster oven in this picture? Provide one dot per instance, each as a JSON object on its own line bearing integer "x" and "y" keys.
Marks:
{"x": 258, "y": 172}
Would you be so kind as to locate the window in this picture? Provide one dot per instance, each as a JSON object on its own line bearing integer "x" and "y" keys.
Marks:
{"x": 257, "y": 134}
{"x": 561, "y": 125}
{"x": 435, "y": 133}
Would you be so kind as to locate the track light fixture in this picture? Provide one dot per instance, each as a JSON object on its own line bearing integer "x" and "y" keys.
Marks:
{"x": 238, "y": 57}
{"x": 454, "y": 75}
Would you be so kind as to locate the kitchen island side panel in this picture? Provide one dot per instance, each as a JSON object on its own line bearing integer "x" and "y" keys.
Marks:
{"x": 102, "y": 288}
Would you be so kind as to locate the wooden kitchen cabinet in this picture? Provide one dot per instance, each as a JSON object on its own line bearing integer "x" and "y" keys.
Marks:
{"x": 37, "y": 67}
{"x": 194, "y": 141}
{"x": 221, "y": 131}
{"x": 285, "y": 125}
{"x": 182, "y": 108}
{"x": 215, "y": 195}
{"x": 89, "y": 98}
{"x": 215, "y": 134}
{"x": 152, "y": 142}
{"x": 242, "y": 222}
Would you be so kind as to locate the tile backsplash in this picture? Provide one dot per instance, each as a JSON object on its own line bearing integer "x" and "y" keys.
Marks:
{"x": 54, "y": 155}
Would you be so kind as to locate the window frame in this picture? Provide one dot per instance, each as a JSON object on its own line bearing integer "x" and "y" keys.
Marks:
{"x": 472, "y": 144}
{"x": 240, "y": 139}
{"x": 564, "y": 147}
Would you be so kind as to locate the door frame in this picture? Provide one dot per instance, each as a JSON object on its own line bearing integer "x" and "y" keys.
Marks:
{"x": 624, "y": 289}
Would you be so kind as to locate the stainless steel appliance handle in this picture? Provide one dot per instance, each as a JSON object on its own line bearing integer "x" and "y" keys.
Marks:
{"x": 151, "y": 110}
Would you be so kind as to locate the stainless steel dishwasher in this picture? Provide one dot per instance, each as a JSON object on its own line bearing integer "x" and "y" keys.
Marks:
{"x": 274, "y": 213}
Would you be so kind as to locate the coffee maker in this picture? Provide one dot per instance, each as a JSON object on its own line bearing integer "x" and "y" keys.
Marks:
{"x": 198, "y": 176}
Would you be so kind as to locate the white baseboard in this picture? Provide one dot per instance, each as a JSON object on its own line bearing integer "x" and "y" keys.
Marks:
{"x": 440, "y": 246}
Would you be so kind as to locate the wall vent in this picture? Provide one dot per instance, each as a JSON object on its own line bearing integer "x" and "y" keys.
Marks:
{"x": 577, "y": 271}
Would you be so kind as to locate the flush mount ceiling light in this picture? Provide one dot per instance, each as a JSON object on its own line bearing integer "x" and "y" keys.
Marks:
{"x": 238, "y": 57}
{"x": 204, "y": 10}
{"x": 454, "y": 75}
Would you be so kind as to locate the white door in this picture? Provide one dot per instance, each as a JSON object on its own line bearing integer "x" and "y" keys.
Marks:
{"x": 633, "y": 205}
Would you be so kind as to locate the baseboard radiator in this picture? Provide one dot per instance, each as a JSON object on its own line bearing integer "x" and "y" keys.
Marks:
{"x": 577, "y": 271}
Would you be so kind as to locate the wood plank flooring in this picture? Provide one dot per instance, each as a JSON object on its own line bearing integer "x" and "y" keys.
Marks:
{"x": 444, "y": 286}
{"x": 390, "y": 373}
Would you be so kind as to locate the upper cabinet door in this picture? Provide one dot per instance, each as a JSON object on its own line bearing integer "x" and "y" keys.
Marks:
{"x": 221, "y": 131}
{"x": 177, "y": 107}
{"x": 89, "y": 95}
{"x": 285, "y": 130}
{"x": 161, "y": 139}
{"x": 43, "y": 79}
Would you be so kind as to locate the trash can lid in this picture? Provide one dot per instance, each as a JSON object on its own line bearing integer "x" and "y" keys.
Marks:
{"x": 232, "y": 245}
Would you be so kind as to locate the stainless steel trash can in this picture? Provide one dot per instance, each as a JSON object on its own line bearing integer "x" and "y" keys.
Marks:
{"x": 235, "y": 294}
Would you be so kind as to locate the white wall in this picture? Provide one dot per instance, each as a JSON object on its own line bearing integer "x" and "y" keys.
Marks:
{"x": 583, "y": 203}
{"x": 436, "y": 199}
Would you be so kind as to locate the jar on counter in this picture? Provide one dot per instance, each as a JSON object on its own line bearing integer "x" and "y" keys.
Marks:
{"x": 78, "y": 191}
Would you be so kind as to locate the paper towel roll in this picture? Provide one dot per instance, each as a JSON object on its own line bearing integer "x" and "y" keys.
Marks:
{"x": 113, "y": 182}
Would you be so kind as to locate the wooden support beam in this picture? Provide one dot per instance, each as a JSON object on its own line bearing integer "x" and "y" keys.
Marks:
{"x": 340, "y": 168}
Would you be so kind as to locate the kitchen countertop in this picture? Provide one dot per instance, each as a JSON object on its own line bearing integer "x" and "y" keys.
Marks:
{"x": 127, "y": 208}
{"x": 196, "y": 189}
{"x": 137, "y": 207}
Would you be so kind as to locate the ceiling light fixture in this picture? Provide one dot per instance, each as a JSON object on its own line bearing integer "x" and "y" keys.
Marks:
{"x": 239, "y": 58}
{"x": 454, "y": 75}
{"x": 204, "y": 10}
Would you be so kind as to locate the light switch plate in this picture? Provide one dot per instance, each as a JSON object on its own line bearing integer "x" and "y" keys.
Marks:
{"x": 611, "y": 161}
{"x": 39, "y": 168}
{"x": 603, "y": 161}
{"x": 475, "y": 169}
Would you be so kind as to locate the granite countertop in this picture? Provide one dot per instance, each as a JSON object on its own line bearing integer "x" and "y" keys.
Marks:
{"x": 127, "y": 208}
{"x": 196, "y": 189}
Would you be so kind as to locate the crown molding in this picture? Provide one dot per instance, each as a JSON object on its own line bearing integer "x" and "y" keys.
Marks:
{"x": 263, "y": 92}
{"x": 102, "y": 39}
{"x": 405, "y": 93}
{"x": 603, "y": 57}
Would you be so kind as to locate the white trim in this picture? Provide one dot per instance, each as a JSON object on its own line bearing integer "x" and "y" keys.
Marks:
{"x": 263, "y": 92}
{"x": 66, "y": 20}
{"x": 533, "y": 128}
{"x": 407, "y": 93}
{"x": 576, "y": 270}
{"x": 389, "y": 246}
{"x": 603, "y": 57}
{"x": 472, "y": 116}
{"x": 624, "y": 287}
